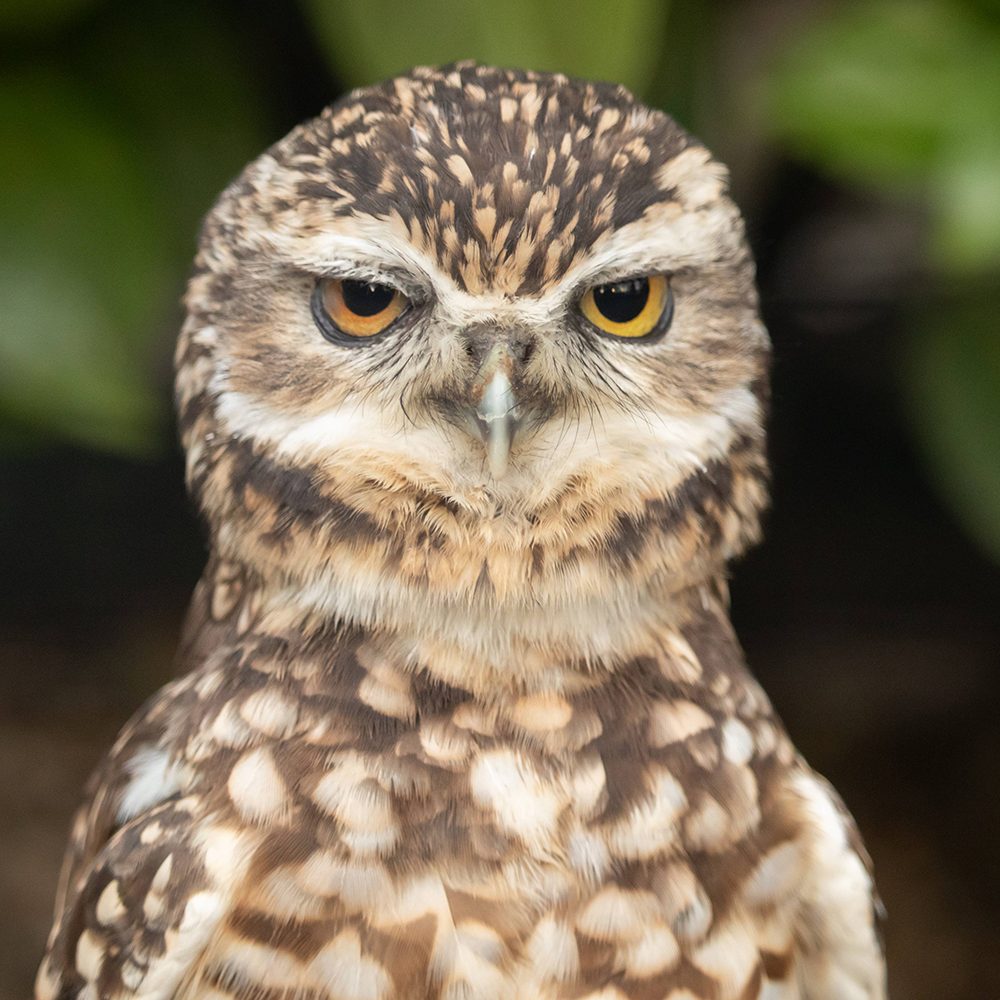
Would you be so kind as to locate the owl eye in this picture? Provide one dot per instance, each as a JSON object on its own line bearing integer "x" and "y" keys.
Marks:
{"x": 634, "y": 308}
{"x": 345, "y": 309}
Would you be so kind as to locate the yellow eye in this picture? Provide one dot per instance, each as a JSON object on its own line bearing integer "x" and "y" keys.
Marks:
{"x": 633, "y": 308}
{"x": 347, "y": 309}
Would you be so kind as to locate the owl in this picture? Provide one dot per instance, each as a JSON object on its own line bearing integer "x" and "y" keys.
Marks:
{"x": 471, "y": 388}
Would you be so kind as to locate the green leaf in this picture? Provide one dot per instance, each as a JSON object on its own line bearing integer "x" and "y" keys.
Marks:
{"x": 902, "y": 95}
{"x": 59, "y": 369}
{"x": 869, "y": 90}
{"x": 106, "y": 177}
{"x": 954, "y": 393}
{"x": 371, "y": 41}
{"x": 965, "y": 199}
{"x": 82, "y": 270}
{"x": 194, "y": 120}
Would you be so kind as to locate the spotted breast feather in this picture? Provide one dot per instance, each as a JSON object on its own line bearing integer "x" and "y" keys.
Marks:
{"x": 313, "y": 816}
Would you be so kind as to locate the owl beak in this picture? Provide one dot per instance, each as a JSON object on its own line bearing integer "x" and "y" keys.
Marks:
{"x": 496, "y": 414}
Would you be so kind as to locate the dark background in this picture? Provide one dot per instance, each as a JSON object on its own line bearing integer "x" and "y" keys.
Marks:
{"x": 861, "y": 141}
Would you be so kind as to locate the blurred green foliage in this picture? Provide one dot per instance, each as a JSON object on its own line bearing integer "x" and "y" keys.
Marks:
{"x": 903, "y": 96}
{"x": 109, "y": 163}
{"x": 600, "y": 40}
{"x": 80, "y": 259}
{"x": 113, "y": 153}
{"x": 23, "y": 16}
{"x": 953, "y": 379}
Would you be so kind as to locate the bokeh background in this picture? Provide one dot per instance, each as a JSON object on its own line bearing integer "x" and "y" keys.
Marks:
{"x": 864, "y": 142}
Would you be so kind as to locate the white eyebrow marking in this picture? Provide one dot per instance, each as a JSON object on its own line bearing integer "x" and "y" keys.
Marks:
{"x": 374, "y": 248}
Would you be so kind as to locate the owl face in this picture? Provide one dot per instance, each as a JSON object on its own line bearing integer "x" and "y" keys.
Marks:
{"x": 472, "y": 294}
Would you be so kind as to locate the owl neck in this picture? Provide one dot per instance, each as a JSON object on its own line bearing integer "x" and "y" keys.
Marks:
{"x": 488, "y": 653}
{"x": 481, "y": 646}
{"x": 511, "y": 596}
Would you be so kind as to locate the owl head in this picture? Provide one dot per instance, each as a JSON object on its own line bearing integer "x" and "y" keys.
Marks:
{"x": 484, "y": 333}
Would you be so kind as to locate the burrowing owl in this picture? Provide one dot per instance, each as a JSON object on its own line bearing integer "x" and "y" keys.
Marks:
{"x": 471, "y": 387}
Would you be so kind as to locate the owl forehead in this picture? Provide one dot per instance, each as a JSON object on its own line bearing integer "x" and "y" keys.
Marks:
{"x": 503, "y": 179}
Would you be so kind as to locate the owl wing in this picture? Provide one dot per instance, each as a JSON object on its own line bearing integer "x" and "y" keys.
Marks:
{"x": 840, "y": 953}
{"x": 134, "y": 906}
{"x": 137, "y": 917}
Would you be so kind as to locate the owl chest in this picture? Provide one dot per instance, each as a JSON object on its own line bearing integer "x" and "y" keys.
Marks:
{"x": 462, "y": 864}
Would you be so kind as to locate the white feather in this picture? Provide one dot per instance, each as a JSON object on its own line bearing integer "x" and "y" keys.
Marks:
{"x": 154, "y": 778}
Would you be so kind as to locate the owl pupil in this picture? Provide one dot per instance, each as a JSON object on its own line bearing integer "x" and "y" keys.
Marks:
{"x": 622, "y": 301}
{"x": 365, "y": 298}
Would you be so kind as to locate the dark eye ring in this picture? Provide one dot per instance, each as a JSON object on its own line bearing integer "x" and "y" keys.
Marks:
{"x": 350, "y": 311}
{"x": 639, "y": 308}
